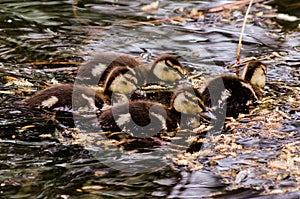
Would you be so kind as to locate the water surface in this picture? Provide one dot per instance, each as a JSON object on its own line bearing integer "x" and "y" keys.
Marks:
{"x": 41, "y": 35}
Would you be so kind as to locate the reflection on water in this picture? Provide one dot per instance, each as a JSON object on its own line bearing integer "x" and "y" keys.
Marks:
{"x": 38, "y": 35}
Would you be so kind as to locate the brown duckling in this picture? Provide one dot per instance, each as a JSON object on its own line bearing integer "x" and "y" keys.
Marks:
{"x": 149, "y": 118}
{"x": 65, "y": 99}
{"x": 121, "y": 76}
{"x": 60, "y": 97}
{"x": 109, "y": 66}
{"x": 121, "y": 80}
{"x": 165, "y": 69}
{"x": 231, "y": 95}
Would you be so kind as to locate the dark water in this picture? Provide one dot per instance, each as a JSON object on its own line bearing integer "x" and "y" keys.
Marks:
{"x": 40, "y": 35}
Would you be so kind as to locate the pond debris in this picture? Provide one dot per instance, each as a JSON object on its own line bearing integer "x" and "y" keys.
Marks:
{"x": 22, "y": 84}
{"x": 189, "y": 160}
{"x": 241, "y": 176}
{"x": 257, "y": 147}
{"x": 287, "y": 17}
{"x": 233, "y": 5}
{"x": 90, "y": 188}
{"x": 150, "y": 7}
{"x": 24, "y": 128}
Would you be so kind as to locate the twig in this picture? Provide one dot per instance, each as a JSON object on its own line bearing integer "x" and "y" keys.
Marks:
{"x": 54, "y": 63}
{"x": 241, "y": 36}
{"x": 230, "y": 5}
{"x": 4, "y": 72}
{"x": 49, "y": 70}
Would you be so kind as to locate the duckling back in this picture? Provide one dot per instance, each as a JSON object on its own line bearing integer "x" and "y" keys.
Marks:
{"x": 139, "y": 118}
{"x": 61, "y": 97}
{"x": 96, "y": 70}
{"x": 228, "y": 95}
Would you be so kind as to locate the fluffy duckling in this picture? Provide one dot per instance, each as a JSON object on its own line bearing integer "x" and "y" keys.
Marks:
{"x": 52, "y": 97}
{"x": 165, "y": 69}
{"x": 149, "y": 118}
{"x": 65, "y": 99}
{"x": 121, "y": 75}
{"x": 121, "y": 80}
{"x": 231, "y": 95}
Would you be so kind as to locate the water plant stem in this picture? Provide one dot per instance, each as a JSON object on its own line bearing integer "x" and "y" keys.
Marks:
{"x": 241, "y": 35}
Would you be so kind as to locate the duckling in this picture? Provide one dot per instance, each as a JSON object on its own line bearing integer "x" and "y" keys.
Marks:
{"x": 165, "y": 69}
{"x": 149, "y": 118}
{"x": 62, "y": 99}
{"x": 231, "y": 95}
{"x": 228, "y": 94}
{"x": 96, "y": 70}
{"x": 121, "y": 80}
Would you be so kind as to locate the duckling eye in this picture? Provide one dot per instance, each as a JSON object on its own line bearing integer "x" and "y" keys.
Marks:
{"x": 124, "y": 82}
{"x": 166, "y": 69}
{"x": 185, "y": 101}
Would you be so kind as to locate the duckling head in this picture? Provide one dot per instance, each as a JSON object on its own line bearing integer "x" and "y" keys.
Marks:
{"x": 167, "y": 68}
{"x": 121, "y": 80}
{"x": 255, "y": 73}
{"x": 188, "y": 100}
